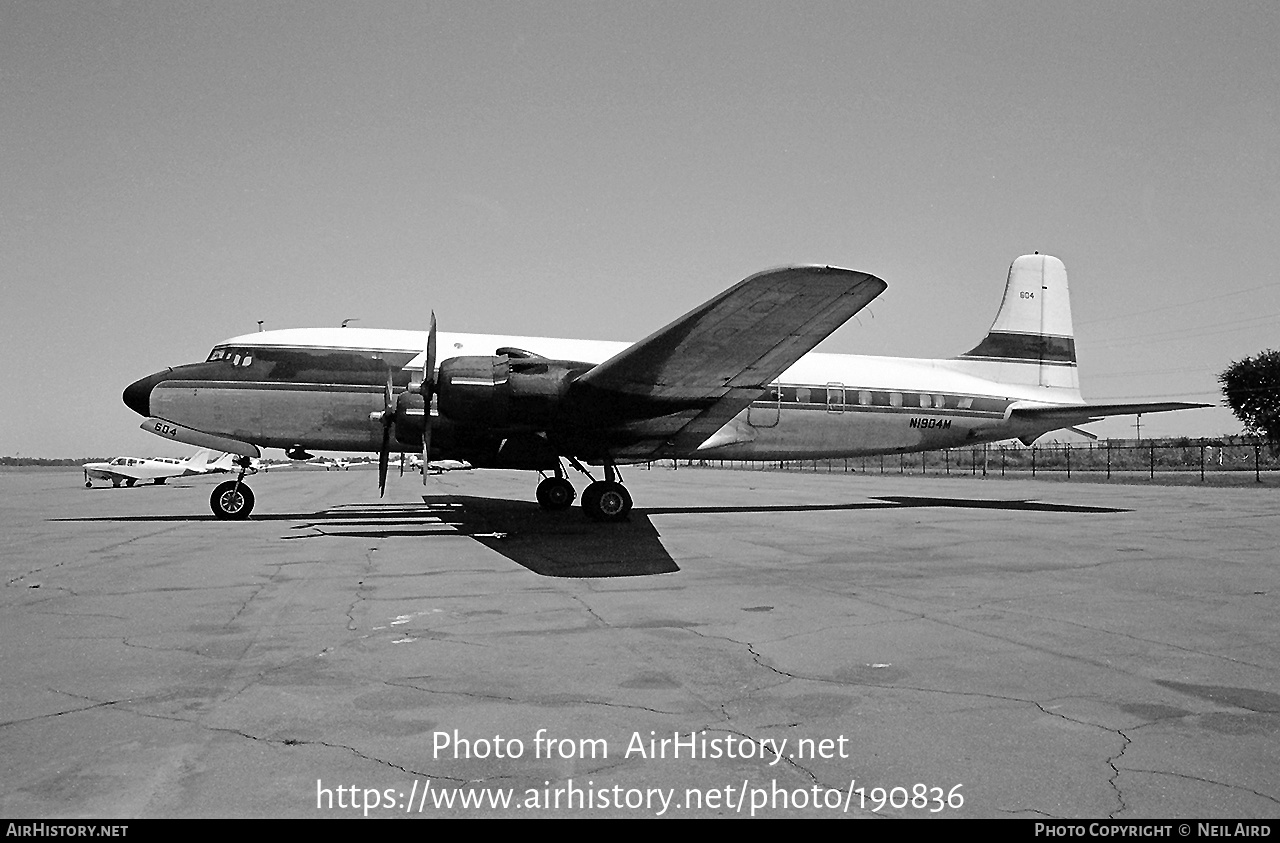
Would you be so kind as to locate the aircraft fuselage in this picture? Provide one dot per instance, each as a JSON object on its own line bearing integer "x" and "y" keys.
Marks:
{"x": 734, "y": 378}
{"x": 301, "y": 387}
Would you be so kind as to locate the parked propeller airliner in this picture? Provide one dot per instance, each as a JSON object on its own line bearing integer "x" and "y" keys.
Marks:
{"x": 731, "y": 379}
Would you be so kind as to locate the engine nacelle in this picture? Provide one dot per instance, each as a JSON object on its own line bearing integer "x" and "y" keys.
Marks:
{"x": 410, "y": 418}
{"x": 491, "y": 392}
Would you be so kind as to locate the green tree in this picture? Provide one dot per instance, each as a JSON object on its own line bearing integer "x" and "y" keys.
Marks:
{"x": 1252, "y": 390}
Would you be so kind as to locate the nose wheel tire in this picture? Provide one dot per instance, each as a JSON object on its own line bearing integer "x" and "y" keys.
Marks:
{"x": 606, "y": 501}
{"x": 556, "y": 493}
{"x": 231, "y": 501}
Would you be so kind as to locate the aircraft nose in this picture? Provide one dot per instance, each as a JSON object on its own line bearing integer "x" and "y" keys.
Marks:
{"x": 137, "y": 395}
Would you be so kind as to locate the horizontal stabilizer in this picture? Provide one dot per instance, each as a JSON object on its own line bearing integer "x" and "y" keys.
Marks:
{"x": 1078, "y": 413}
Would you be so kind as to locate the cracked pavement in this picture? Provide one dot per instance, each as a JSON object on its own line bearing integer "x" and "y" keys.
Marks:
{"x": 1063, "y": 650}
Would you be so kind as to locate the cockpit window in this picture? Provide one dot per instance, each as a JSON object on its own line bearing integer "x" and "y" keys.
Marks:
{"x": 234, "y": 356}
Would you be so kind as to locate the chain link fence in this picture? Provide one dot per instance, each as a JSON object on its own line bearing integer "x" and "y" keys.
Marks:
{"x": 1231, "y": 460}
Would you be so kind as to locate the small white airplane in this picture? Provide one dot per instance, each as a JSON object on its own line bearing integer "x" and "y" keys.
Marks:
{"x": 414, "y": 463}
{"x": 327, "y": 463}
{"x": 129, "y": 470}
{"x": 732, "y": 379}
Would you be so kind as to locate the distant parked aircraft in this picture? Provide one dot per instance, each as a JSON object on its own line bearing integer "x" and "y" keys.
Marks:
{"x": 413, "y": 462}
{"x": 129, "y": 470}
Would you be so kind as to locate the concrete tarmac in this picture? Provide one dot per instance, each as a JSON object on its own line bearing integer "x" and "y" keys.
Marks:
{"x": 750, "y": 643}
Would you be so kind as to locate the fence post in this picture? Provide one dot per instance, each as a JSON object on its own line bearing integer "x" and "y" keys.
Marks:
{"x": 1033, "y": 460}
{"x": 1201, "y": 460}
{"x": 984, "y": 459}
{"x": 1108, "y": 459}
{"x": 1067, "y": 447}
{"x": 1153, "y": 460}
{"x": 1257, "y": 466}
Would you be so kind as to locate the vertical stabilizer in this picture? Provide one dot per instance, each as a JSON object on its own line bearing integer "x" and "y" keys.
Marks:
{"x": 199, "y": 459}
{"x": 1031, "y": 342}
{"x": 224, "y": 462}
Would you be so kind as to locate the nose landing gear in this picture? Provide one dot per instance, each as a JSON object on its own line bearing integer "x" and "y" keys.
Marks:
{"x": 232, "y": 500}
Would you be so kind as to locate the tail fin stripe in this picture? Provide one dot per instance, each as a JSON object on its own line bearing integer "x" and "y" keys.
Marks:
{"x": 1026, "y": 348}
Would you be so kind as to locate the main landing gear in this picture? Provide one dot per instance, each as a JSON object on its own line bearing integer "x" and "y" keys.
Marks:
{"x": 232, "y": 500}
{"x": 602, "y": 500}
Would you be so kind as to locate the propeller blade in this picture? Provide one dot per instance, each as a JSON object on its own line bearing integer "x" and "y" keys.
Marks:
{"x": 384, "y": 457}
{"x": 429, "y": 365}
{"x": 428, "y": 391}
{"x": 388, "y": 419}
{"x": 426, "y": 450}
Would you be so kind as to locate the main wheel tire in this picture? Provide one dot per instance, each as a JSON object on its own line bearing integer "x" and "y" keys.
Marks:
{"x": 606, "y": 501}
{"x": 231, "y": 501}
{"x": 556, "y": 493}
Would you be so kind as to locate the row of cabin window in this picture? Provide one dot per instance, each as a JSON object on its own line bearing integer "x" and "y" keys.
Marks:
{"x": 792, "y": 394}
{"x": 136, "y": 461}
{"x": 867, "y": 397}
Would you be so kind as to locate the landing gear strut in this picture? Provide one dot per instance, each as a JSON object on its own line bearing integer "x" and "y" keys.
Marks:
{"x": 233, "y": 499}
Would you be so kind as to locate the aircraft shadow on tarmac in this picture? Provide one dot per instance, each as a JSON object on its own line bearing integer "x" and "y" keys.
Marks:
{"x": 564, "y": 543}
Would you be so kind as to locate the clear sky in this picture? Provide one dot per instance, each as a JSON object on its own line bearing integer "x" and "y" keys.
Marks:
{"x": 173, "y": 172}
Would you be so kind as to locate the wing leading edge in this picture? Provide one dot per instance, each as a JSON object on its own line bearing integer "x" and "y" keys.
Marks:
{"x": 673, "y": 389}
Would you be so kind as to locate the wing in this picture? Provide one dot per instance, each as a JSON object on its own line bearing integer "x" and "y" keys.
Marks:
{"x": 673, "y": 389}
{"x": 105, "y": 474}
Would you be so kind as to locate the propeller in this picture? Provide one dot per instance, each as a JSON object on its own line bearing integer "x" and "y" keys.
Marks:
{"x": 428, "y": 389}
{"x": 388, "y": 418}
